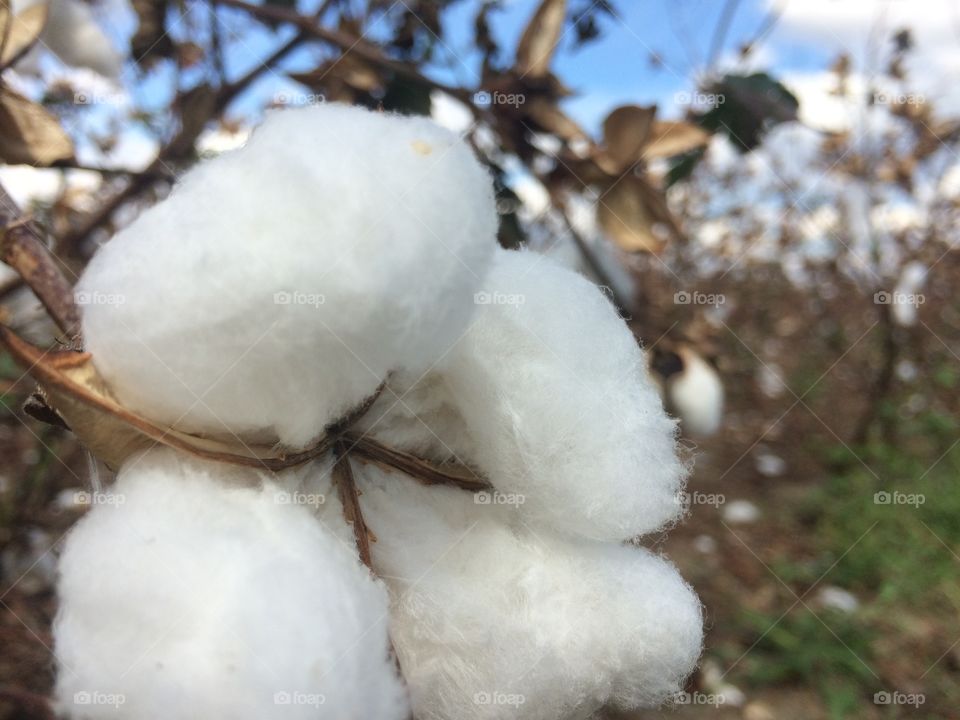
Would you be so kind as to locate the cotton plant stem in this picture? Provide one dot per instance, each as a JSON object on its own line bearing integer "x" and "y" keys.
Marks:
{"x": 418, "y": 468}
{"x": 350, "y": 500}
{"x": 22, "y": 249}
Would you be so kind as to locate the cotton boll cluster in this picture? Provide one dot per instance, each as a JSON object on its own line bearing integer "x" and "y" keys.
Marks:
{"x": 337, "y": 246}
{"x": 194, "y": 589}
{"x": 278, "y": 287}
{"x": 494, "y": 620}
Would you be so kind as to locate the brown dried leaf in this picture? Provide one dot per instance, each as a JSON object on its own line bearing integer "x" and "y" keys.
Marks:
{"x": 74, "y": 389}
{"x": 626, "y": 131}
{"x": 540, "y": 38}
{"x": 22, "y": 32}
{"x": 635, "y": 215}
{"x": 669, "y": 138}
{"x": 29, "y": 133}
{"x": 552, "y": 119}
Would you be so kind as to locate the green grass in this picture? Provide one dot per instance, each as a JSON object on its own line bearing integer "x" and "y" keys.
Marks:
{"x": 900, "y": 560}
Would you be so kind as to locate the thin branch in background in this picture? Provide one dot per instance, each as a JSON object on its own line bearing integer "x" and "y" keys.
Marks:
{"x": 625, "y": 306}
{"x": 720, "y": 31}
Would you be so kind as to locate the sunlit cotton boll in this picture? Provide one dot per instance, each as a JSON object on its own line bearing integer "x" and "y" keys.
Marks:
{"x": 280, "y": 283}
{"x": 554, "y": 390}
{"x": 200, "y": 590}
{"x": 491, "y": 619}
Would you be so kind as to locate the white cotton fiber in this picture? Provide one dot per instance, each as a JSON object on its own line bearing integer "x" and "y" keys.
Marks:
{"x": 197, "y": 590}
{"x": 696, "y": 395}
{"x": 555, "y": 392}
{"x": 280, "y": 283}
{"x": 493, "y": 620}
{"x": 73, "y": 35}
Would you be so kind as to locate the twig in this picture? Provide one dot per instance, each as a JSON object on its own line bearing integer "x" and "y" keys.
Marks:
{"x": 22, "y": 249}
{"x": 423, "y": 470}
{"x": 625, "y": 306}
{"x": 159, "y": 168}
{"x": 720, "y": 32}
{"x": 348, "y": 43}
{"x": 350, "y": 500}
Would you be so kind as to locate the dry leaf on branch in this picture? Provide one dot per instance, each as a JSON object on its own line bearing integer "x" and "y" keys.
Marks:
{"x": 540, "y": 38}
{"x": 635, "y": 215}
{"x": 20, "y": 32}
{"x": 29, "y": 133}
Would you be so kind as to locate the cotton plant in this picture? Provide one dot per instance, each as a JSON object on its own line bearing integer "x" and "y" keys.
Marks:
{"x": 370, "y": 465}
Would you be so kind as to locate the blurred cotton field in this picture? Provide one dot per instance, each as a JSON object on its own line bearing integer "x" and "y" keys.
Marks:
{"x": 479, "y": 359}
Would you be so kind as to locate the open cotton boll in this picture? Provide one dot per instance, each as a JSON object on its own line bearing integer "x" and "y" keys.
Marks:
{"x": 694, "y": 391}
{"x": 199, "y": 590}
{"x": 493, "y": 620}
{"x": 555, "y": 392}
{"x": 73, "y": 35}
{"x": 281, "y": 282}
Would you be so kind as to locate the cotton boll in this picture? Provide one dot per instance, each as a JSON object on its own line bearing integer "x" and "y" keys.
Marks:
{"x": 693, "y": 390}
{"x": 195, "y": 589}
{"x": 493, "y": 620}
{"x": 554, "y": 390}
{"x": 73, "y": 35}
{"x": 280, "y": 283}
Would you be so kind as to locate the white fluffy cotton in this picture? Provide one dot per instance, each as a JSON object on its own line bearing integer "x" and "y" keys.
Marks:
{"x": 197, "y": 590}
{"x": 696, "y": 395}
{"x": 73, "y": 35}
{"x": 280, "y": 283}
{"x": 554, "y": 397}
{"x": 493, "y": 620}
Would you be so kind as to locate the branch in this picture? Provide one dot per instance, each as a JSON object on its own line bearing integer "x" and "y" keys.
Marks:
{"x": 422, "y": 470}
{"x": 159, "y": 168}
{"x": 22, "y": 249}
{"x": 348, "y": 44}
{"x": 625, "y": 306}
{"x": 350, "y": 500}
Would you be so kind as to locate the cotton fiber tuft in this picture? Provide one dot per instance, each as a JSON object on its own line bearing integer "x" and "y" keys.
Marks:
{"x": 201, "y": 590}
